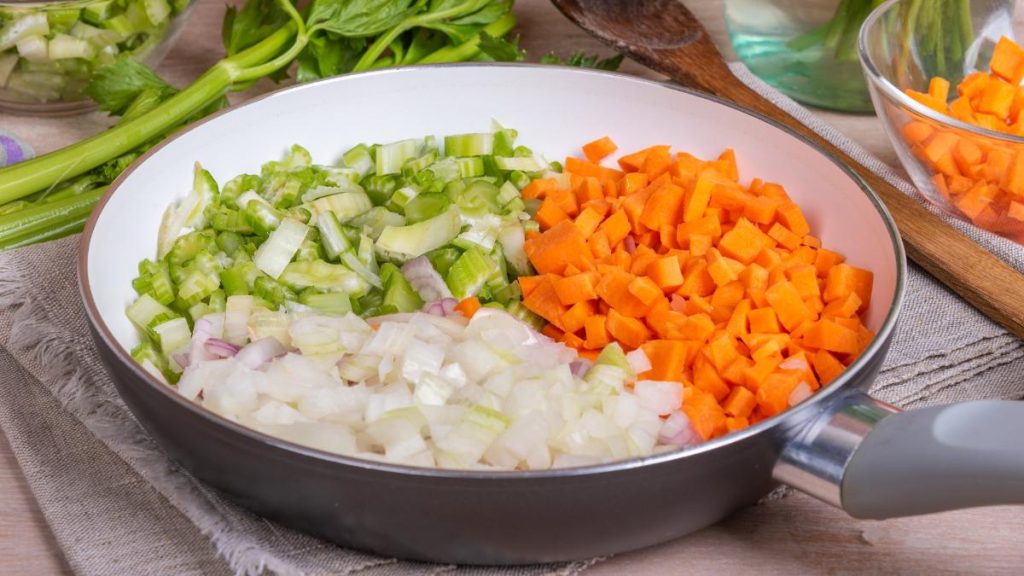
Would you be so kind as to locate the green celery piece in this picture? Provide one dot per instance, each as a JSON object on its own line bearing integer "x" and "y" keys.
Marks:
{"x": 240, "y": 279}
{"x": 358, "y": 158}
{"x": 370, "y": 301}
{"x": 461, "y": 145}
{"x": 328, "y": 303}
{"x": 391, "y": 157}
{"x": 272, "y": 291}
{"x": 443, "y": 258}
{"x": 197, "y": 285}
{"x": 519, "y": 179}
{"x": 238, "y": 185}
{"x": 229, "y": 242}
{"x": 470, "y": 167}
{"x": 62, "y": 19}
{"x": 345, "y": 206}
{"x": 322, "y": 275}
{"x": 217, "y": 302}
{"x": 470, "y": 273}
{"x": 145, "y": 309}
{"x": 613, "y": 355}
{"x": 401, "y": 197}
{"x": 426, "y": 206}
{"x": 332, "y": 236}
{"x": 259, "y": 214}
{"x": 477, "y": 198}
{"x": 418, "y": 239}
{"x": 504, "y": 142}
{"x": 187, "y": 247}
{"x": 397, "y": 290}
{"x": 96, "y": 13}
{"x": 374, "y": 221}
{"x": 146, "y": 351}
{"x": 380, "y": 188}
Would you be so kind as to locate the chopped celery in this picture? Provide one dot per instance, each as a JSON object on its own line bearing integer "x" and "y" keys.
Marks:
{"x": 34, "y": 49}
{"x": 274, "y": 255}
{"x": 359, "y": 159}
{"x": 320, "y": 274}
{"x": 417, "y": 239}
{"x": 522, "y": 164}
{"x": 443, "y": 258}
{"x": 469, "y": 273}
{"x": 330, "y": 302}
{"x": 7, "y": 64}
{"x": 63, "y": 46}
{"x": 469, "y": 144}
{"x": 145, "y": 309}
{"x": 172, "y": 335}
{"x": 425, "y": 206}
{"x": 34, "y": 24}
{"x": 397, "y": 290}
{"x": 345, "y": 206}
{"x": 98, "y": 12}
{"x": 380, "y": 188}
{"x": 331, "y": 235}
{"x": 391, "y": 157}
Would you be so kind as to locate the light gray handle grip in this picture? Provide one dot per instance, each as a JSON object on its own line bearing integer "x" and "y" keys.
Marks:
{"x": 936, "y": 459}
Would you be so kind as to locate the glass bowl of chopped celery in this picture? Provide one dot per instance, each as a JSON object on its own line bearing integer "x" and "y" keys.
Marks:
{"x": 953, "y": 104}
{"x": 50, "y": 50}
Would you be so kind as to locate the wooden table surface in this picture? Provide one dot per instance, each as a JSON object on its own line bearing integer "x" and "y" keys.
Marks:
{"x": 797, "y": 535}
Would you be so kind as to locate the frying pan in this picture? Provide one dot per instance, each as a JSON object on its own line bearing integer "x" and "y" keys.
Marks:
{"x": 840, "y": 445}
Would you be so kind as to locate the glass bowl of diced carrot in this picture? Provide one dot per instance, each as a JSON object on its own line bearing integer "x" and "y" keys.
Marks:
{"x": 953, "y": 105}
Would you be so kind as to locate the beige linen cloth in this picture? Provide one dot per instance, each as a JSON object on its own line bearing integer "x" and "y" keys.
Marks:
{"x": 117, "y": 505}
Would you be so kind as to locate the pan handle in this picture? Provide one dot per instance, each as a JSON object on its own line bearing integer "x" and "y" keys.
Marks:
{"x": 877, "y": 462}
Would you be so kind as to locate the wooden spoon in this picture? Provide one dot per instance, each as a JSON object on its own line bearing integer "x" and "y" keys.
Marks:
{"x": 665, "y": 36}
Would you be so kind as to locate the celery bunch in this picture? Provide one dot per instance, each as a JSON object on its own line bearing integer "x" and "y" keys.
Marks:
{"x": 262, "y": 39}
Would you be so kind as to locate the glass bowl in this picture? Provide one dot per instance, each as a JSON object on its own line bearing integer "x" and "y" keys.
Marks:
{"x": 805, "y": 48}
{"x": 49, "y": 50}
{"x": 964, "y": 169}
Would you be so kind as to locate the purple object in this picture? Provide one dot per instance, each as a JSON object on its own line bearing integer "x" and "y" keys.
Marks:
{"x": 13, "y": 149}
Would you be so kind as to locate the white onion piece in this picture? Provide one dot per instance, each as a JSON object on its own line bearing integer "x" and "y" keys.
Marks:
{"x": 799, "y": 394}
{"x": 660, "y": 397}
{"x": 638, "y": 361}
{"x": 677, "y": 431}
{"x": 425, "y": 280}
{"x": 260, "y": 352}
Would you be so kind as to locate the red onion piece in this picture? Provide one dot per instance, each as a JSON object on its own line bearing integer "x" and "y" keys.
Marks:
{"x": 260, "y": 352}
{"x": 433, "y": 308}
{"x": 220, "y": 348}
{"x": 181, "y": 358}
{"x": 580, "y": 366}
{"x": 629, "y": 243}
{"x": 678, "y": 303}
{"x": 425, "y": 280}
{"x": 448, "y": 305}
{"x": 201, "y": 334}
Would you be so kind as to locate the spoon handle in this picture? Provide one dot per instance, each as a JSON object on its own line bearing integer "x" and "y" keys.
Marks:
{"x": 980, "y": 278}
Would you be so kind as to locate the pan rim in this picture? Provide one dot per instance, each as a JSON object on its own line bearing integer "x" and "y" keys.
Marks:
{"x": 803, "y": 411}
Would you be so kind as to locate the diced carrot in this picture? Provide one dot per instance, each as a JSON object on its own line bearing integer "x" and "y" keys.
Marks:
{"x": 805, "y": 280}
{"x": 740, "y": 402}
{"x": 572, "y": 341}
{"x": 586, "y": 168}
{"x": 824, "y": 260}
{"x": 663, "y": 207}
{"x": 576, "y": 288}
{"x": 744, "y": 242}
{"x": 763, "y": 320}
{"x": 666, "y": 272}
{"x": 596, "y": 332}
{"x": 668, "y": 359}
{"x": 996, "y": 98}
{"x": 598, "y": 149}
{"x": 589, "y": 189}
{"x": 544, "y": 302}
{"x": 828, "y": 335}
{"x": 575, "y": 317}
{"x": 557, "y": 247}
{"x": 917, "y": 132}
{"x": 613, "y": 288}
{"x": 761, "y": 210}
{"x": 550, "y": 214}
{"x": 632, "y": 333}
{"x": 657, "y": 161}
{"x": 706, "y": 378}
{"x": 790, "y": 308}
{"x": 588, "y": 221}
{"x": 773, "y": 393}
{"x": 539, "y": 188}
{"x": 468, "y": 306}
{"x": 699, "y": 244}
{"x": 845, "y": 307}
{"x": 553, "y": 332}
{"x": 738, "y": 321}
{"x": 527, "y": 284}
{"x": 826, "y": 366}
{"x": 938, "y": 88}
{"x": 645, "y": 290}
{"x": 792, "y": 217}
{"x": 705, "y": 414}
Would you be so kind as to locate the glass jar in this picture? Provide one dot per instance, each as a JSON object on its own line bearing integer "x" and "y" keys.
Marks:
{"x": 805, "y": 48}
{"x": 49, "y": 50}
